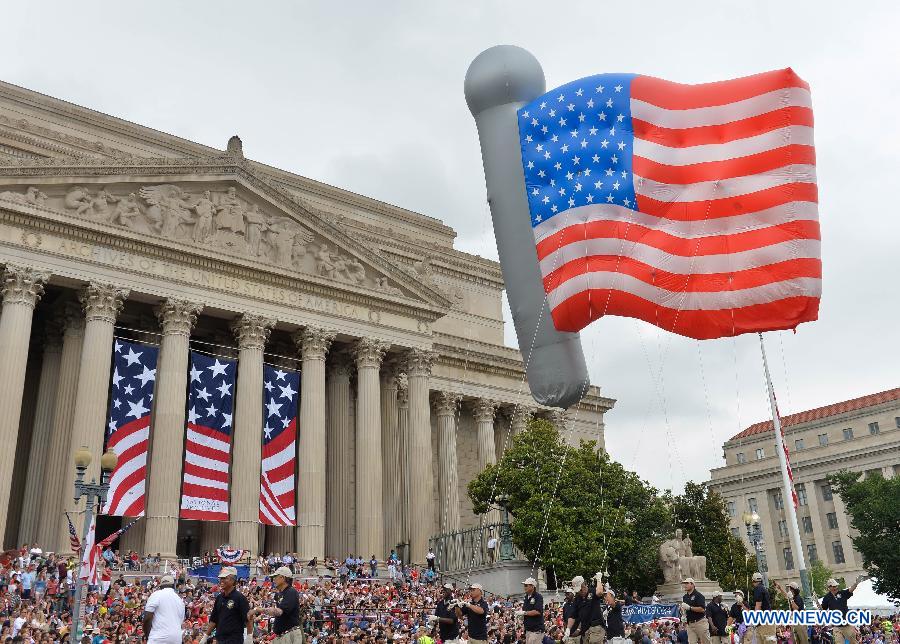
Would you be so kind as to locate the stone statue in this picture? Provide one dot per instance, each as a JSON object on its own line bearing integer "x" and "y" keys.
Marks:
{"x": 32, "y": 196}
{"x": 78, "y": 199}
{"x": 205, "y": 210}
{"x": 100, "y": 204}
{"x": 127, "y": 210}
{"x": 382, "y": 285}
{"x": 677, "y": 560}
{"x": 256, "y": 226}
{"x": 167, "y": 208}
{"x": 356, "y": 272}
{"x": 325, "y": 262}
{"x": 230, "y": 214}
{"x": 696, "y": 563}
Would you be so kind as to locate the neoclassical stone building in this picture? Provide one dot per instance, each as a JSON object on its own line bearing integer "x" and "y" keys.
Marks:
{"x": 109, "y": 229}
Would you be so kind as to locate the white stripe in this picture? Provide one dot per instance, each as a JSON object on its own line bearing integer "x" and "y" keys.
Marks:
{"x": 132, "y": 495}
{"x": 202, "y": 461}
{"x": 283, "y": 486}
{"x": 724, "y": 188}
{"x": 791, "y": 135}
{"x": 679, "y": 264}
{"x": 199, "y": 480}
{"x": 268, "y": 515}
{"x": 792, "y": 211}
{"x": 279, "y": 458}
{"x": 720, "y": 114}
{"x": 279, "y": 518}
{"x": 124, "y": 469}
{"x": 207, "y": 441}
{"x": 203, "y": 505}
{"x": 131, "y": 440}
{"x": 678, "y": 300}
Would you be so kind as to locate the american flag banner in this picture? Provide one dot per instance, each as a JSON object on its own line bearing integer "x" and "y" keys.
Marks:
{"x": 207, "y": 450}
{"x": 128, "y": 429}
{"x": 692, "y": 207}
{"x": 74, "y": 541}
{"x": 277, "y": 499}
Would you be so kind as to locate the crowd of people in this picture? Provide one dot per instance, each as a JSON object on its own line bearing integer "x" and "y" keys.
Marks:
{"x": 339, "y": 601}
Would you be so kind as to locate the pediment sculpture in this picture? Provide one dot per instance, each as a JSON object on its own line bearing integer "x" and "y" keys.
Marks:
{"x": 677, "y": 560}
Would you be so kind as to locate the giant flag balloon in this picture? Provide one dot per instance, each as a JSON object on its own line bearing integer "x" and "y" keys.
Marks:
{"x": 499, "y": 82}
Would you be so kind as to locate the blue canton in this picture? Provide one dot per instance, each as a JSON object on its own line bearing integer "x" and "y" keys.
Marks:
{"x": 280, "y": 400}
{"x": 211, "y": 392}
{"x": 577, "y": 143}
{"x": 131, "y": 384}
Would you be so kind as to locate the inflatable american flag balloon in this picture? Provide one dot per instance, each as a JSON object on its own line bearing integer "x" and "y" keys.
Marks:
{"x": 692, "y": 207}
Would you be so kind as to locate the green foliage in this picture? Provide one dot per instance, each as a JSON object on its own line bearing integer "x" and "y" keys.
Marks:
{"x": 874, "y": 508}
{"x": 819, "y": 573}
{"x": 578, "y": 512}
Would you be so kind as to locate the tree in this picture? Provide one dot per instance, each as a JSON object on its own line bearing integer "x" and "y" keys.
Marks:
{"x": 819, "y": 573}
{"x": 575, "y": 510}
{"x": 874, "y": 508}
{"x": 701, "y": 514}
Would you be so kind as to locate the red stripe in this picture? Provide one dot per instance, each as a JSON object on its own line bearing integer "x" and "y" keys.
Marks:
{"x": 282, "y": 471}
{"x": 582, "y": 308}
{"x": 678, "y": 96}
{"x": 277, "y": 515}
{"x": 125, "y": 485}
{"x": 284, "y": 440}
{"x": 203, "y": 515}
{"x": 132, "y": 452}
{"x": 203, "y": 492}
{"x": 729, "y": 206}
{"x": 723, "y": 133}
{"x": 127, "y": 430}
{"x": 208, "y": 452}
{"x": 286, "y": 501}
{"x": 205, "y": 473}
{"x": 210, "y": 433}
{"x": 710, "y": 245}
{"x": 136, "y": 509}
{"x": 729, "y": 169}
{"x": 679, "y": 283}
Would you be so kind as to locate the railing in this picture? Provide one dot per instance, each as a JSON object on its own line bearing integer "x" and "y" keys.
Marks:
{"x": 469, "y": 548}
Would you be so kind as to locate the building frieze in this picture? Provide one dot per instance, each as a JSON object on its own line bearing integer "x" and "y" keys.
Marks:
{"x": 73, "y": 146}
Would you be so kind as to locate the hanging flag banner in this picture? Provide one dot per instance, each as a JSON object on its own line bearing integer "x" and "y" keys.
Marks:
{"x": 229, "y": 555}
{"x": 74, "y": 541}
{"x": 128, "y": 428}
{"x": 640, "y": 613}
{"x": 277, "y": 498}
{"x": 207, "y": 450}
{"x": 90, "y": 556}
{"x": 692, "y": 207}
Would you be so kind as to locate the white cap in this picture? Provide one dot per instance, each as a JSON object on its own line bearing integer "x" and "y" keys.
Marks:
{"x": 284, "y": 571}
{"x": 739, "y": 593}
{"x": 167, "y": 580}
{"x": 226, "y": 571}
{"x": 448, "y": 586}
{"x": 757, "y": 576}
{"x": 568, "y": 590}
{"x": 529, "y": 582}
{"x": 831, "y": 582}
{"x": 577, "y": 582}
{"x": 476, "y": 585}
{"x": 794, "y": 585}
{"x": 687, "y": 580}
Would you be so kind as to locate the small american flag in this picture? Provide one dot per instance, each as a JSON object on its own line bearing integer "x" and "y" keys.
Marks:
{"x": 207, "y": 451}
{"x": 108, "y": 541}
{"x": 130, "y": 400}
{"x": 74, "y": 541}
{"x": 279, "y": 450}
{"x": 692, "y": 207}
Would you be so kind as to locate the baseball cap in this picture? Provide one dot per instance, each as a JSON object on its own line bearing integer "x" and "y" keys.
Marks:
{"x": 739, "y": 593}
{"x": 476, "y": 585}
{"x": 687, "y": 580}
{"x": 284, "y": 571}
{"x": 226, "y": 571}
{"x": 529, "y": 582}
{"x": 794, "y": 585}
{"x": 167, "y": 580}
{"x": 448, "y": 586}
{"x": 757, "y": 576}
{"x": 831, "y": 582}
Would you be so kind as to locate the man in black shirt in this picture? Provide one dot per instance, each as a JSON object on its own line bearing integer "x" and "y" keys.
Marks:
{"x": 718, "y": 620}
{"x": 795, "y": 602}
{"x": 570, "y": 615}
{"x": 593, "y": 613}
{"x": 765, "y": 633}
{"x": 693, "y": 603}
{"x": 448, "y": 620}
{"x": 229, "y": 617}
{"x": 736, "y": 612}
{"x": 533, "y": 612}
{"x": 286, "y": 610}
{"x": 615, "y": 625}
{"x": 476, "y": 612}
{"x": 837, "y": 600}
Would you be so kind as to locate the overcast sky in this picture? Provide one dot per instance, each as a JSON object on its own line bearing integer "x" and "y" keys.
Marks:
{"x": 368, "y": 96}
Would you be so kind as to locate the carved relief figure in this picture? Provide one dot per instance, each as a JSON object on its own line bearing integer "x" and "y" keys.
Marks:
{"x": 78, "y": 199}
{"x": 127, "y": 210}
{"x": 230, "y": 214}
{"x": 205, "y": 210}
{"x": 167, "y": 208}
{"x": 325, "y": 262}
{"x": 256, "y": 226}
{"x": 382, "y": 285}
{"x": 356, "y": 272}
{"x": 100, "y": 204}
{"x": 32, "y": 196}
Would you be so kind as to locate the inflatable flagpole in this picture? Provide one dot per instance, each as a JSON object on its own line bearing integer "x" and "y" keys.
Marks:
{"x": 498, "y": 82}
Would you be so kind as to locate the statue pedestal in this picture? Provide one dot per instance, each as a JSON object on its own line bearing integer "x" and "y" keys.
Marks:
{"x": 673, "y": 593}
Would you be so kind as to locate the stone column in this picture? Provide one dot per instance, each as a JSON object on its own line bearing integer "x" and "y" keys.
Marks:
{"x": 403, "y": 453}
{"x": 102, "y": 304}
{"x": 339, "y": 439}
{"x": 392, "y": 485}
{"x": 41, "y": 432}
{"x": 519, "y": 418}
{"x": 313, "y": 343}
{"x": 251, "y": 331}
{"x": 177, "y": 318}
{"x": 446, "y": 405}
{"x": 214, "y": 534}
{"x": 21, "y": 287}
{"x": 53, "y": 534}
{"x": 368, "y": 353}
{"x": 23, "y": 447}
{"x": 485, "y": 411}
{"x": 421, "y": 490}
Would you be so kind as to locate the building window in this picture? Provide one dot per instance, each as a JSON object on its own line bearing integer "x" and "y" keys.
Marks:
{"x": 823, "y": 439}
{"x": 801, "y": 493}
{"x": 730, "y": 507}
{"x": 807, "y": 524}
{"x": 735, "y": 533}
{"x": 762, "y": 563}
{"x": 838, "y": 549}
{"x": 741, "y": 459}
{"x": 760, "y": 453}
{"x": 811, "y": 553}
{"x": 751, "y": 503}
{"x": 826, "y": 492}
{"x": 832, "y": 521}
{"x": 778, "y": 501}
{"x": 897, "y": 421}
{"x": 873, "y": 428}
{"x": 788, "y": 559}
{"x": 848, "y": 434}
{"x": 798, "y": 444}
{"x": 782, "y": 528}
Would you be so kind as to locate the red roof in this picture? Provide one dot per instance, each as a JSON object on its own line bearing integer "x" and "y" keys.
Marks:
{"x": 822, "y": 412}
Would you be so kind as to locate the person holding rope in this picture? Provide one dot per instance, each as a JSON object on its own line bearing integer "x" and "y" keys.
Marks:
{"x": 447, "y": 618}
{"x": 532, "y": 612}
{"x": 693, "y": 603}
{"x": 836, "y": 599}
{"x": 795, "y": 601}
{"x": 718, "y": 620}
{"x": 592, "y": 617}
{"x": 476, "y": 611}
{"x": 615, "y": 623}
{"x": 286, "y": 610}
{"x": 736, "y": 615}
{"x": 570, "y": 609}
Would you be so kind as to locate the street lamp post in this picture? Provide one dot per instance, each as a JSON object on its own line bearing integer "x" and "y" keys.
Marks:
{"x": 506, "y": 544}
{"x": 754, "y": 534}
{"x": 94, "y": 493}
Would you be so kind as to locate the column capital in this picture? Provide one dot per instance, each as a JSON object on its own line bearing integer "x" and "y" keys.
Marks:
{"x": 420, "y": 361}
{"x": 402, "y": 391}
{"x": 314, "y": 342}
{"x": 72, "y": 316}
{"x": 521, "y": 414}
{"x": 485, "y": 409}
{"x": 178, "y": 317}
{"x": 102, "y": 302}
{"x": 339, "y": 365}
{"x": 23, "y": 285}
{"x": 252, "y": 330}
{"x": 445, "y": 403}
{"x": 369, "y": 352}
{"x": 52, "y": 333}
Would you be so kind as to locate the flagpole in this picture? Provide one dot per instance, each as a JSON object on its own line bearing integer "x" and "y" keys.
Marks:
{"x": 787, "y": 485}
